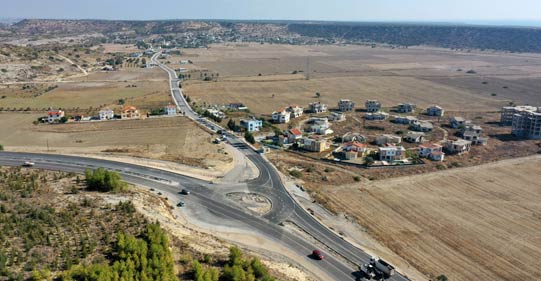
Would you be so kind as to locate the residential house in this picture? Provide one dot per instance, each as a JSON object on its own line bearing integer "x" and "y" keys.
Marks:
{"x": 314, "y": 144}
{"x": 170, "y": 110}
{"x": 294, "y": 135}
{"x": 406, "y": 108}
{"x": 377, "y": 116}
{"x": 251, "y": 125}
{"x": 506, "y": 117}
{"x": 458, "y": 122}
{"x": 385, "y": 139}
{"x": 295, "y": 111}
{"x": 281, "y": 116}
{"x": 408, "y": 120}
{"x": 317, "y": 107}
{"x": 216, "y": 113}
{"x": 352, "y": 150}
{"x": 527, "y": 124}
{"x": 346, "y": 105}
{"x": 414, "y": 137}
{"x": 473, "y": 133}
{"x": 422, "y": 126}
{"x": 106, "y": 114}
{"x": 372, "y": 106}
{"x": 237, "y": 107}
{"x": 320, "y": 126}
{"x": 351, "y": 137}
{"x": 337, "y": 117}
{"x": 54, "y": 116}
{"x": 129, "y": 112}
{"x": 432, "y": 151}
{"x": 435, "y": 110}
{"x": 459, "y": 146}
{"x": 391, "y": 153}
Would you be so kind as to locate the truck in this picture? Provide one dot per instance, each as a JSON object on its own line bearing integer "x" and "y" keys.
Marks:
{"x": 377, "y": 269}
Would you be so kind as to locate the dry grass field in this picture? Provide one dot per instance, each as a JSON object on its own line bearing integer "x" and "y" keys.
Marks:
{"x": 422, "y": 76}
{"x": 95, "y": 90}
{"x": 176, "y": 139}
{"x": 480, "y": 223}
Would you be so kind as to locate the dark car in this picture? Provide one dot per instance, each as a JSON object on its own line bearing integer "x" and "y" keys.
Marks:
{"x": 316, "y": 254}
{"x": 185, "y": 192}
{"x": 180, "y": 204}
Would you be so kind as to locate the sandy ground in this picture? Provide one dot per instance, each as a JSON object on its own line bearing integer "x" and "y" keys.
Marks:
{"x": 477, "y": 223}
{"x": 422, "y": 76}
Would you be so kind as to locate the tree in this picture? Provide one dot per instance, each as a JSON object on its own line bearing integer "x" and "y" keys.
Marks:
{"x": 231, "y": 124}
{"x": 64, "y": 119}
{"x": 368, "y": 160}
{"x": 249, "y": 137}
{"x": 1, "y": 147}
{"x": 144, "y": 61}
{"x": 103, "y": 180}
{"x": 318, "y": 95}
{"x": 442, "y": 278}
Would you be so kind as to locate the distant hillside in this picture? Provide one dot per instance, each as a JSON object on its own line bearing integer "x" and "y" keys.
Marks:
{"x": 512, "y": 39}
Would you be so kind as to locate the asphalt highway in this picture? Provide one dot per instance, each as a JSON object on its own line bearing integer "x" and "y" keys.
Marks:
{"x": 341, "y": 257}
{"x": 269, "y": 183}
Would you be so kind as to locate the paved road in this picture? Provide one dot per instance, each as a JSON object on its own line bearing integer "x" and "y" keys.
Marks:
{"x": 269, "y": 184}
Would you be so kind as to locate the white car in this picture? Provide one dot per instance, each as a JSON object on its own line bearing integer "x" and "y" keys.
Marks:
{"x": 28, "y": 164}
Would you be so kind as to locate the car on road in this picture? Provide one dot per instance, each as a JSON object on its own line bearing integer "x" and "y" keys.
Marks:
{"x": 185, "y": 192}
{"x": 181, "y": 204}
{"x": 159, "y": 193}
{"x": 316, "y": 254}
{"x": 28, "y": 164}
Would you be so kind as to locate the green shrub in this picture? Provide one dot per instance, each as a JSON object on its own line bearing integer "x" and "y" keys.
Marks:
{"x": 104, "y": 181}
{"x": 295, "y": 174}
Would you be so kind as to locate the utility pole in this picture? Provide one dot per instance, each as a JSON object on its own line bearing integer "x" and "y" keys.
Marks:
{"x": 47, "y": 145}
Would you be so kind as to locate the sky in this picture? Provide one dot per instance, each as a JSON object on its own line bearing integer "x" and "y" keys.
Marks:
{"x": 465, "y": 11}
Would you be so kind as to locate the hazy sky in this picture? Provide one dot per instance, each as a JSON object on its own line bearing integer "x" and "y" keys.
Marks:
{"x": 343, "y": 10}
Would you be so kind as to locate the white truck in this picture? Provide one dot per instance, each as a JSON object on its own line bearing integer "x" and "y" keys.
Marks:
{"x": 377, "y": 269}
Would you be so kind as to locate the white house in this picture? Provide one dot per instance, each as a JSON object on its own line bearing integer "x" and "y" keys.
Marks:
{"x": 106, "y": 114}
{"x": 317, "y": 107}
{"x": 392, "y": 153}
{"x": 385, "y": 138}
{"x": 251, "y": 125}
{"x": 170, "y": 110}
{"x": 432, "y": 151}
{"x": 457, "y": 122}
{"x": 372, "y": 106}
{"x": 435, "y": 110}
{"x": 337, "y": 117}
{"x": 378, "y": 116}
{"x": 54, "y": 116}
{"x": 415, "y": 137}
{"x": 294, "y": 135}
{"x": 406, "y": 108}
{"x": 295, "y": 111}
{"x": 459, "y": 146}
{"x": 422, "y": 126}
{"x": 346, "y": 105}
{"x": 408, "y": 120}
{"x": 281, "y": 116}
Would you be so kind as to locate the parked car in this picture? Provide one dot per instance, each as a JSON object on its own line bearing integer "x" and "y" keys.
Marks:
{"x": 181, "y": 204}
{"x": 316, "y": 254}
{"x": 185, "y": 192}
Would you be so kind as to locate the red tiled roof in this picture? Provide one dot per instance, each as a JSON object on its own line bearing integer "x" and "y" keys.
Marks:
{"x": 129, "y": 108}
{"x": 356, "y": 144}
{"x": 54, "y": 112}
{"x": 296, "y": 132}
